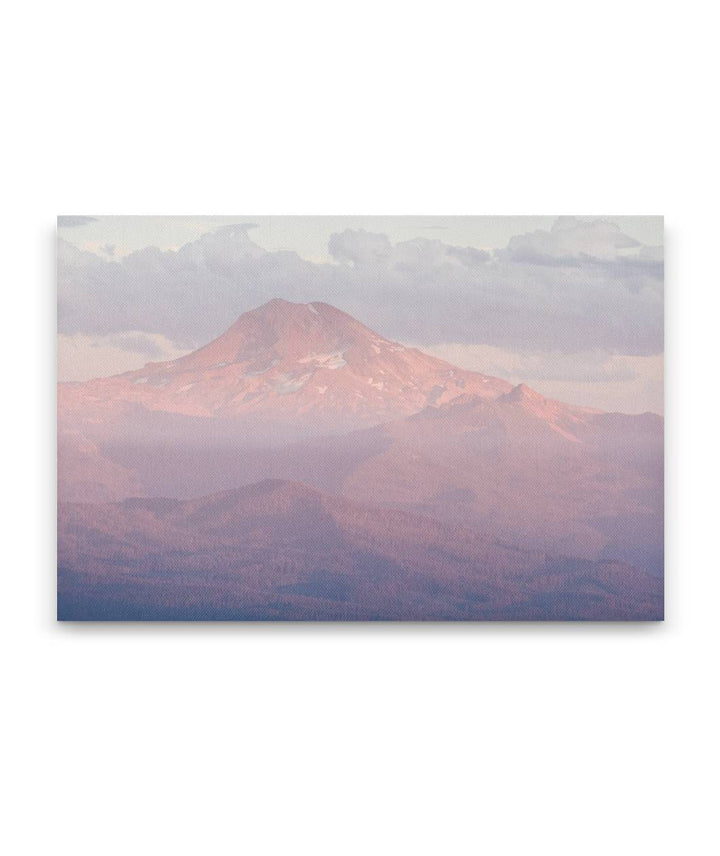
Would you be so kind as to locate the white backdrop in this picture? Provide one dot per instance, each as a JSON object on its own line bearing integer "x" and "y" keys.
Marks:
{"x": 498, "y": 739}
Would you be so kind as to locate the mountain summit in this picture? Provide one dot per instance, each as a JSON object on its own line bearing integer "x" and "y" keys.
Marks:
{"x": 304, "y": 363}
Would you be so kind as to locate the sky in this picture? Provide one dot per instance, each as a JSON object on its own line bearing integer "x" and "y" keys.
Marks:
{"x": 573, "y": 306}
{"x": 308, "y": 236}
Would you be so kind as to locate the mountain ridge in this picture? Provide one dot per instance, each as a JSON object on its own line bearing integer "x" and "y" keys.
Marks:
{"x": 278, "y": 549}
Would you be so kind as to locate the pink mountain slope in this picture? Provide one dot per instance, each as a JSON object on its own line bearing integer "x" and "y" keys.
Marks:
{"x": 527, "y": 469}
{"x": 283, "y": 363}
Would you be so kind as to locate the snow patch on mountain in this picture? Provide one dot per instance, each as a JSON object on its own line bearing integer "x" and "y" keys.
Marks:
{"x": 287, "y": 384}
{"x": 334, "y": 360}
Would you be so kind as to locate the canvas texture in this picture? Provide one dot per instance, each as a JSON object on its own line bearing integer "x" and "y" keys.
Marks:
{"x": 360, "y": 418}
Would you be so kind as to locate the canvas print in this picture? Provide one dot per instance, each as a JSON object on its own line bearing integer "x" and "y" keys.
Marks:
{"x": 360, "y": 418}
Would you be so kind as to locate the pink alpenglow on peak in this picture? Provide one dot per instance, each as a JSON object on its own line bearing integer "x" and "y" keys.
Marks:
{"x": 294, "y": 364}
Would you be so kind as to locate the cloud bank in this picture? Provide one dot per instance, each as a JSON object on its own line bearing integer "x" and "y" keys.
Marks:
{"x": 578, "y": 287}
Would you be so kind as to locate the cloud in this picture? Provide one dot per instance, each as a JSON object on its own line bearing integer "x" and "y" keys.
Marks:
{"x": 360, "y": 247}
{"x": 631, "y": 384}
{"x": 66, "y": 221}
{"x": 149, "y": 347}
{"x": 82, "y": 357}
{"x": 367, "y": 249}
{"x": 580, "y": 286}
{"x": 582, "y": 366}
{"x": 571, "y": 240}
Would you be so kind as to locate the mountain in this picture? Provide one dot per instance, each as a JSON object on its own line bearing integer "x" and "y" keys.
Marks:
{"x": 305, "y": 392}
{"x": 519, "y": 467}
{"x": 289, "y": 369}
{"x": 280, "y": 550}
{"x": 528, "y": 470}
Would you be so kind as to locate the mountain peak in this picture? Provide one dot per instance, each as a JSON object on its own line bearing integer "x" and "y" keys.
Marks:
{"x": 289, "y": 364}
{"x": 281, "y": 330}
{"x": 522, "y": 393}
{"x": 279, "y": 304}
{"x": 317, "y": 313}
